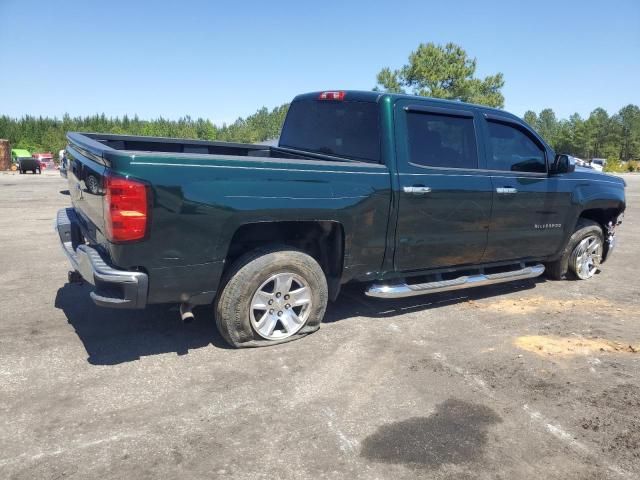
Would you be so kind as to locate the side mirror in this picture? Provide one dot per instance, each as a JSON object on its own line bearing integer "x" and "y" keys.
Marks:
{"x": 563, "y": 163}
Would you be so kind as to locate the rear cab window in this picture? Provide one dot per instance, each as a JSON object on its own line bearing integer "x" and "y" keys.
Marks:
{"x": 441, "y": 140}
{"x": 343, "y": 128}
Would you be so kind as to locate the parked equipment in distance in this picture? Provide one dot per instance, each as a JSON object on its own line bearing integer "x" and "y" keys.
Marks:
{"x": 28, "y": 164}
{"x": 45, "y": 159}
{"x": 18, "y": 153}
{"x": 408, "y": 195}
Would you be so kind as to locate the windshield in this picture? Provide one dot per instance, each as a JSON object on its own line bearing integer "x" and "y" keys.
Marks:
{"x": 346, "y": 129}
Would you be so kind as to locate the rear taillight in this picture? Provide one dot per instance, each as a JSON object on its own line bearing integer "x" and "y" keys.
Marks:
{"x": 331, "y": 96}
{"x": 126, "y": 209}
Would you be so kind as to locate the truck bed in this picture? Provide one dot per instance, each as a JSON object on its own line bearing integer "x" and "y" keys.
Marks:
{"x": 192, "y": 146}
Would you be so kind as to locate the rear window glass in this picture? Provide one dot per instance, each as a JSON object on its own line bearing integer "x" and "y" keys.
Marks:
{"x": 345, "y": 129}
{"x": 442, "y": 141}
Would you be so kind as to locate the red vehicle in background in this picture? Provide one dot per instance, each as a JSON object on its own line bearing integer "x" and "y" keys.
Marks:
{"x": 45, "y": 160}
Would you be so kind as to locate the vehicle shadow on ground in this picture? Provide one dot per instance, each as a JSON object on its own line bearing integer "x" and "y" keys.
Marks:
{"x": 113, "y": 336}
{"x": 353, "y": 302}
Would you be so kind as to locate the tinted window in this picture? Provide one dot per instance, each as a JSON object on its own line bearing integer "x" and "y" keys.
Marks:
{"x": 348, "y": 129}
{"x": 441, "y": 141}
{"x": 513, "y": 150}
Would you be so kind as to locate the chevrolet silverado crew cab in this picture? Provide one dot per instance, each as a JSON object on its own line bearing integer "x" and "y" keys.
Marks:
{"x": 406, "y": 195}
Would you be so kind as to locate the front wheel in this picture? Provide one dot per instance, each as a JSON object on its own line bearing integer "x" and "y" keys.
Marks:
{"x": 582, "y": 256}
{"x": 586, "y": 256}
{"x": 271, "y": 296}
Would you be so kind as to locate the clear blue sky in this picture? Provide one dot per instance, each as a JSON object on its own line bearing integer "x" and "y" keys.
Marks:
{"x": 222, "y": 59}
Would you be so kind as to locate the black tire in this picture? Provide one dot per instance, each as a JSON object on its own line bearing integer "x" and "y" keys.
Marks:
{"x": 560, "y": 268}
{"x": 248, "y": 273}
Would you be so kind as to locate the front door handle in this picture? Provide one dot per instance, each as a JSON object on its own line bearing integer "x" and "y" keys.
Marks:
{"x": 417, "y": 190}
{"x": 506, "y": 190}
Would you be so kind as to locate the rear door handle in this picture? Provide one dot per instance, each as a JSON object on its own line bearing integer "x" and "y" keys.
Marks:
{"x": 506, "y": 190}
{"x": 417, "y": 190}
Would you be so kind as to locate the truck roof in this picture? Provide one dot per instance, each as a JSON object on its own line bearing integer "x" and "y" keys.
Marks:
{"x": 373, "y": 96}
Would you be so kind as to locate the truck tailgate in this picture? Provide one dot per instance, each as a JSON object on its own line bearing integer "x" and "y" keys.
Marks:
{"x": 86, "y": 179}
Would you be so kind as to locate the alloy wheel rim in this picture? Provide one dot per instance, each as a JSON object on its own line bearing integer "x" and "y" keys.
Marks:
{"x": 280, "y": 306}
{"x": 588, "y": 255}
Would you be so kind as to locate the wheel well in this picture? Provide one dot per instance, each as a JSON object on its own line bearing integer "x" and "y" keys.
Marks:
{"x": 602, "y": 216}
{"x": 323, "y": 240}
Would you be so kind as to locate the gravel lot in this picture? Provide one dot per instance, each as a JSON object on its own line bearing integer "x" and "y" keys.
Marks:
{"x": 537, "y": 379}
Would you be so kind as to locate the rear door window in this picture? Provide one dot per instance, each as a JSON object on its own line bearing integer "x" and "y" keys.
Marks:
{"x": 437, "y": 140}
{"x": 340, "y": 128}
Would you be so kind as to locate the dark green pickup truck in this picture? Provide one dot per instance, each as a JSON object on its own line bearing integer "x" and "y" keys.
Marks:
{"x": 408, "y": 195}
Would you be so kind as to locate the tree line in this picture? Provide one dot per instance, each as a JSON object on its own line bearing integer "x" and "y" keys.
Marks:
{"x": 44, "y": 134}
{"x": 441, "y": 71}
{"x": 447, "y": 71}
{"x": 615, "y": 137}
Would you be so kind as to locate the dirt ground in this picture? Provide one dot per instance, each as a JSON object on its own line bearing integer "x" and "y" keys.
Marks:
{"x": 537, "y": 379}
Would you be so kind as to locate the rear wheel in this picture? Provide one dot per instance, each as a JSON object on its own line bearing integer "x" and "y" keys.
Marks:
{"x": 271, "y": 296}
{"x": 582, "y": 256}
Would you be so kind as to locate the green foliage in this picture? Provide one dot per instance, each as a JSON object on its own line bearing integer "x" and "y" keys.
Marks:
{"x": 547, "y": 124}
{"x": 629, "y": 124}
{"x": 448, "y": 72}
{"x": 442, "y": 72}
{"x": 614, "y": 165}
{"x": 390, "y": 81}
{"x": 531, "y": 118}
{"x": 38, "y": 134}
{"x": 615, "y": 137}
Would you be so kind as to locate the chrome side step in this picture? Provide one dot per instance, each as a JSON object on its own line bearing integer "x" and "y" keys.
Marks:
{"x": 405, "y": 290}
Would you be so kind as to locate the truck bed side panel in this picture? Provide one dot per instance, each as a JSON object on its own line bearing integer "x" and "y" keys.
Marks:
{"x": 200, "y": 202}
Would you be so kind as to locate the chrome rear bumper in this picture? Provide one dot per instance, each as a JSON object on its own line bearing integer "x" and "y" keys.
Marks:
{"x": 113, "y": 288}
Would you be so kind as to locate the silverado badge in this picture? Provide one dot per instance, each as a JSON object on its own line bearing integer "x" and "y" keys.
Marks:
{"x": 544, "y": 226}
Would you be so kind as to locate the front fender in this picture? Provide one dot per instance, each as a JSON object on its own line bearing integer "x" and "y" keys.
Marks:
{"x": 601, "y": 201}
{"x": 603, "y": 196}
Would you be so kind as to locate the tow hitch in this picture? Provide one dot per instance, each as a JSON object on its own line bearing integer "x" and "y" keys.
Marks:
{"x": 73, "y": 276}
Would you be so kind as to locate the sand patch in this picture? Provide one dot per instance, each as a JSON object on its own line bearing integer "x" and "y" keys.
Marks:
{"x": 569, "y": 346}
{"x": 538, "y": 304}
